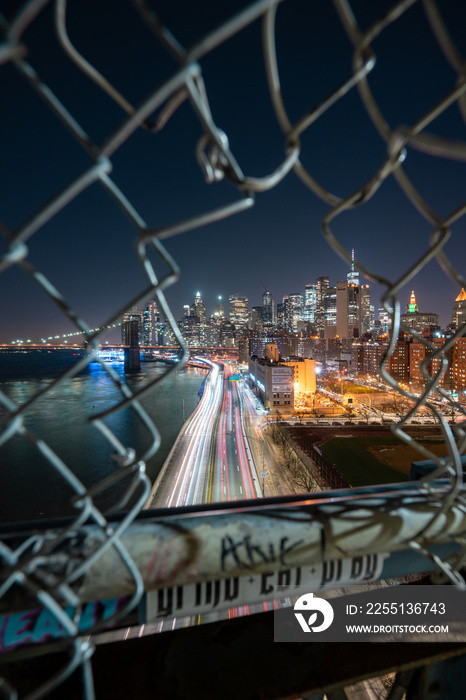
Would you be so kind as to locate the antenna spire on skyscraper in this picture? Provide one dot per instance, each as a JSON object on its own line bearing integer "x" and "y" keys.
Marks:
{"x": 353, "y": 275}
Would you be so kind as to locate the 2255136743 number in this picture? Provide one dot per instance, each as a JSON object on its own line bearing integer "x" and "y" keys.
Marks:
{"x": 405, "y": 608}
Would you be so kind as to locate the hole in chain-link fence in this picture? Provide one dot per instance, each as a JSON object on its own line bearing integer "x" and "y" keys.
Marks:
{"x": 108, "y": 124}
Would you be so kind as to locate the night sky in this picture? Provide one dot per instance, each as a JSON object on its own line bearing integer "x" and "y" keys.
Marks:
{"x": 87, "y": 249}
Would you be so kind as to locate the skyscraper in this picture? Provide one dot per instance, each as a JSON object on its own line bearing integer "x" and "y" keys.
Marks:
{"x": 412, "y": 307}
{"x": 348, "y": 304}
{"x": 330, "y": 312}
{"x": 297, "y": 306}
{"x": 310, "y": 303}
{"x": 239, "y": 311}
{"x": 220, "y": 311}
{"x": 286, "y": 306}
{"x": 348, "y": 315}
{"x": 322, "y": 285}
{"x": 268, "y": 316}
{"x": 416, "y": 319}
{"x": 280, "y": 315}
{"x": 353, "y": 275}
{"x": 150, "y": 323}
{"x": 385, "y": 321}
{"x": 459, "y": 310}
{"x": 366, "y": 309}
{"x": 255, "y": 321}
{"x": 198, "y": 307}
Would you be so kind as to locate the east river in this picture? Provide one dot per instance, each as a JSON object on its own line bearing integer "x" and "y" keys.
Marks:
{"x": 29, "y": 486}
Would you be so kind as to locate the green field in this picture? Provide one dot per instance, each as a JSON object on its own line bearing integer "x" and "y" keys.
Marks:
{"x": 357, "y": 465}
{"x": 355, "y": 389}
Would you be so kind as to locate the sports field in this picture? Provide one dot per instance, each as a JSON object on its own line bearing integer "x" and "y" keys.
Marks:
{"x": 375, "y": 459}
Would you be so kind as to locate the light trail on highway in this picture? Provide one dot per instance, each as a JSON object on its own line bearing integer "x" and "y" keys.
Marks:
{"x": 232, "y": 473}
{"x": 187, "y": 488}
{"x": 213, "y": 463}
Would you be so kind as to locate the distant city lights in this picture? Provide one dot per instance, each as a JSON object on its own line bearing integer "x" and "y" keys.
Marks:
{"x": 20, "y": 341}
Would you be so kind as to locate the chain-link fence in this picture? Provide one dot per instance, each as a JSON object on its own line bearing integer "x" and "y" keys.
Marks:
{"x": 39, "y": 565}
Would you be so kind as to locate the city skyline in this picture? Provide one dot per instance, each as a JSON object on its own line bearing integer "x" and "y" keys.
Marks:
{"x": 87, "y": 248}
{"x": 212, "y": 304}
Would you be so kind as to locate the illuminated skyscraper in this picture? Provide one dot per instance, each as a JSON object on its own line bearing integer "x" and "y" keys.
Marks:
{"x": 293, "y": 308}
{"x": 227, "y": 337}
{"x": 416, "y": 319}
{"x": 280, "y": 315}
{"x": 348, "y": 304}
{"x": 353, "y": 275}
{"x": 385, "y": 321}
{"x": 198, "y": 307}
{"x": 268, "y": 315}
{"x": 412, "y": 307}
{"x": 150, "y": 323}
{"x": 255, "y": 321}
{"x": 220, "y": 311}
{"x": 239, "y": 311}
{"x": 322, "y": 285}
{"x": 310, "y": 303}
{"x": 367, "y": 311}
{"x": 459, "y": 310}
{"x": 348, "y": 315}
{"x": 330, "y": 312}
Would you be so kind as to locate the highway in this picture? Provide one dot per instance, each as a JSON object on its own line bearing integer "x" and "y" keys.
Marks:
{"x": 188, "y": 484}
{"x": 211, "y": 461}
{"x": 231, "y": 473}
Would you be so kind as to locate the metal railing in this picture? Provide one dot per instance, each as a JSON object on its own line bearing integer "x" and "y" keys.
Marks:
{"x": 50, "y": 566}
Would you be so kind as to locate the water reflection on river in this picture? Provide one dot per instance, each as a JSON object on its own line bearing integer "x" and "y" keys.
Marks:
{"x": 30, "y": 487}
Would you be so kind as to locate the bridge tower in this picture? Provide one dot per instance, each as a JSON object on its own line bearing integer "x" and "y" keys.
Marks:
{"x": 132, "y": 357}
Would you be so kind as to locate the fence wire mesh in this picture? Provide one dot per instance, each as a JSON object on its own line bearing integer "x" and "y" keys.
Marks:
{"x": 39, "y": 566}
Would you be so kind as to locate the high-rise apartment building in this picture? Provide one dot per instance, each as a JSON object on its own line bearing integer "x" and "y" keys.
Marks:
{"x": 459, "y": 365}
{"x": 398, "y": 364}
{"x": 239, "y": 311}
{"x": 322, "y": 286}
{"x": 268, "y": 315}
{"x": 419, "y": 353}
